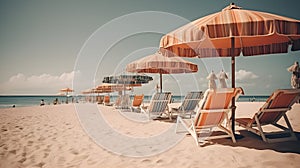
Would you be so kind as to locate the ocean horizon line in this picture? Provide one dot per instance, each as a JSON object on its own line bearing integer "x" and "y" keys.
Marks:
{"x": 100, "y": 95}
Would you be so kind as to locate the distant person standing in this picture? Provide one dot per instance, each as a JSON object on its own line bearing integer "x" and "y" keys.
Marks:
{"x": 295, "y": 78}
{"x": 55, "y": 102}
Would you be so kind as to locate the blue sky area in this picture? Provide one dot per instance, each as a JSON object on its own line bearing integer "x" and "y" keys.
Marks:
{"x": 44, "y": 44}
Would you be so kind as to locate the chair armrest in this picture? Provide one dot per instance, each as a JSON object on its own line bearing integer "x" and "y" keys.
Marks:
{"x": 214, "y": 110}
{"x": 275, "y": 110}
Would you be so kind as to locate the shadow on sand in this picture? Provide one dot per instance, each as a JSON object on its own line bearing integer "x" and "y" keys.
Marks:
{"x": 253, "y": 141}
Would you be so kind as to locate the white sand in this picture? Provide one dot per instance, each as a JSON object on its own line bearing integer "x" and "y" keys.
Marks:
{"x": 52, "y": 136}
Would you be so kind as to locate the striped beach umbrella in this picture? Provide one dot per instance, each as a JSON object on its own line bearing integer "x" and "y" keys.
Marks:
{"x": 157, "y": 63}
{"x": 232, "y": 32}
{"x": 110, "y": 87}
{"x": 67, "y": 90}
{"x": 128, "y": 79}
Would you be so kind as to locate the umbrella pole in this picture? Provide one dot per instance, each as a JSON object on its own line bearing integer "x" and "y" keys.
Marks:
{"x": 67, "y": 98}
{"x": 160, "y": 76}
{"x": 233, "y": 107}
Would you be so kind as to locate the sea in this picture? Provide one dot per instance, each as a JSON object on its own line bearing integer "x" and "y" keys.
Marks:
{"x": 23, "y": 101}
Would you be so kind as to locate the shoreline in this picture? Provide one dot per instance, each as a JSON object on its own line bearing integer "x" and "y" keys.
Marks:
{"x": 4, "y": 103}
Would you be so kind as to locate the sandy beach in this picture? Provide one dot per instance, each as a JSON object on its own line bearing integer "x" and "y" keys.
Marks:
{"x": 52, "y": 136}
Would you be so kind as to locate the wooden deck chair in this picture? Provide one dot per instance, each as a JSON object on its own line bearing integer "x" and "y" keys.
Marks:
{"x": 100, "y": 99}
{"x": 270, "y": 113}
{"x": 137, "y": 102}
{"x": 158, "y": 105}
{"x": 212, "y": 113}
{"x": 118, "y": 101}
{"x": 122, "y": 102}
{"x": 187, "y": 107}
{"x": 106, "y": 100}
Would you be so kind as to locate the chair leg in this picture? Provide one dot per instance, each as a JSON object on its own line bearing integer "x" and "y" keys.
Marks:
{"x": 260, "y": 129}
{"x": 170, "y": 116}
{"x": 180, "y": 121}
{"x": 293, "y": 136}
{"x": 194, "y": 134}
{"x": 191, "y": 130}
{"x": 231, "y": 132}
{"x": 177, "y": 122}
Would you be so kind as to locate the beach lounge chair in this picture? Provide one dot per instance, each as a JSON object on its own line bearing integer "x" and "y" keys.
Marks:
{"x": 118, "y": 101}
{"x": 270, "y": 113}
{"x": 212, "y": 113}
{"x": 106, "y": 101}
{"x": 137, "y": 102}
{"x": 190, "y": 102}
{"x": 158, "y": 105}
{"x": 122, "y": 102}
{"x": 100, "y": 99}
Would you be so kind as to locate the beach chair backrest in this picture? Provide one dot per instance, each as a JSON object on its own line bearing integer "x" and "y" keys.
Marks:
{"x": 220, "y": 98}
{"x": 283, "y": 98}
{"x": 277, "y": 104}
{"x": 125, "y": 100}
{"x": 100, "y": 99}
{"x": 159, "y": 102}
{"x": 106, "y": 99}
{"x": 215, "y": 107}
{"x": 190, "y": 101}
{"x": 137, "y": 100}
{"x": 118, "y": 101}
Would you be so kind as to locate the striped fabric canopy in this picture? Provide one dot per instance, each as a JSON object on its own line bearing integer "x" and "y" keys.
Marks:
{"x": 109, "y": 87}
{"x": 157, "y": 63}
{"x": 232, "y": 32}
{"x": 127, "y": 79}
{"x": 67, "y": 90}
{"x": 255, "y": 33}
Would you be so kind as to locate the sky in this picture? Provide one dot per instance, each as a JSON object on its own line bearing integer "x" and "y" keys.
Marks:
{"x": 49, "y": 45}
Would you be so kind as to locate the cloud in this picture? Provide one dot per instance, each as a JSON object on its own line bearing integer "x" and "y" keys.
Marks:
{"x": 37, "y": 84}
{"x": 244, "y": 76}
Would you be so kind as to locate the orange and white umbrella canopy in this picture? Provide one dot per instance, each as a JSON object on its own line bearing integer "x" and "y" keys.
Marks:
{"x": 253, "y": 33}
{"x": 108, "y": 88}
{"x": 232, "y": 32}
{"x": 88, "y": 91}
{"x": 157, "y": 63}
{"x": 67, "y": 90}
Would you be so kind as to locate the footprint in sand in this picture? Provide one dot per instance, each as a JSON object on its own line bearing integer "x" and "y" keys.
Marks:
{"x": 19, "y": 127}
{"x": 48, "y": 148}
{"x": 146, "y": 160}
{"x": 91, "y": 162}
{"x": 29, "y": 143}
{"x": 41, "y": 164}
{"x": 75, "y": 152}
{"x": 3, "y": 129}
{"x": 159, "y": 161}
{"x": 41, "y": 138}
{"x": 22, "y": 160}
{"x": 46, "y": 155}
{"x": 24, "y": 154}
{"x": 61, "y": 160}
{"x": 79, "y": 158}
{"x": 13, "y": 152}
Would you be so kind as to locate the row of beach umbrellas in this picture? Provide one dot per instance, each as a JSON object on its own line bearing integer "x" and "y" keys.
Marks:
{"x": 229, "y": 33}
